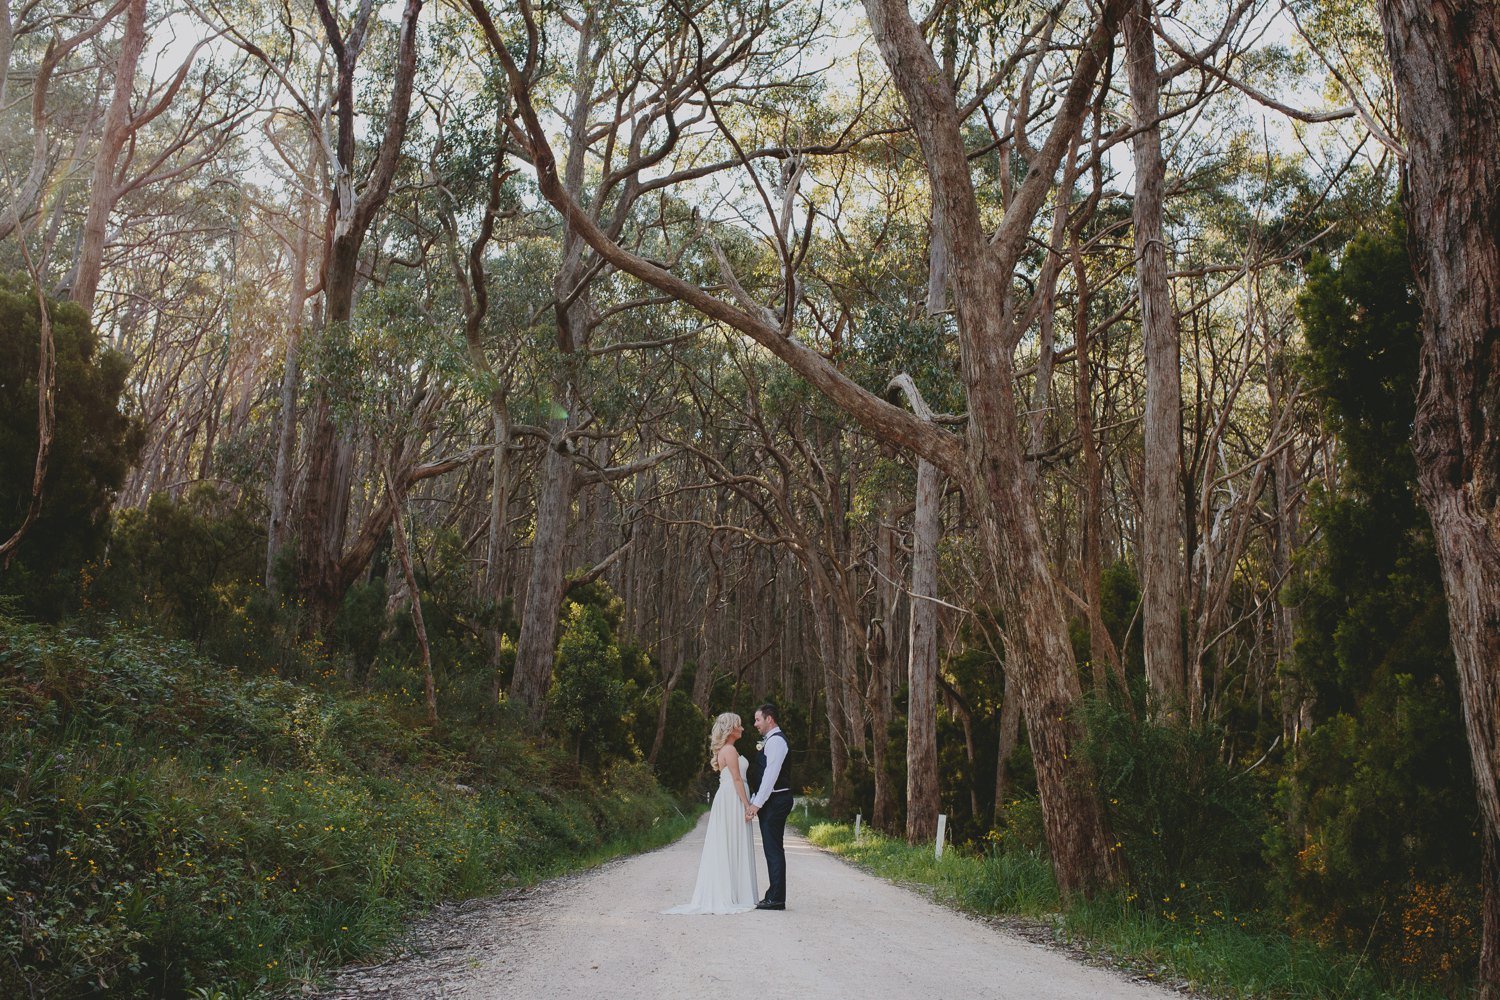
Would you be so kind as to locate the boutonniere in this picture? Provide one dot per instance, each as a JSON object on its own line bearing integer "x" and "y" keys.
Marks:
{"x": 761, "y": 745}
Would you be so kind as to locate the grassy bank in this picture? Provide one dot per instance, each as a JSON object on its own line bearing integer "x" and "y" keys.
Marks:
{"x": 1219, "y": 954}
{"x": 169, "y": 828}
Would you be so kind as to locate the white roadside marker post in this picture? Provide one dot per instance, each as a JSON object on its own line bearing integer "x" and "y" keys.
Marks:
{"x": 858, "y": 819}
{"x": 942, "y": 828}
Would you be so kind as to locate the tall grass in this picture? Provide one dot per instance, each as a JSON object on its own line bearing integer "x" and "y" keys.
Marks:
{"x": 1220, "y": 954}
{"x": 168, "y": 828}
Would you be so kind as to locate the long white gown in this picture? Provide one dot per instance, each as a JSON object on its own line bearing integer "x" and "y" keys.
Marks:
{"x": 726, "y": 873}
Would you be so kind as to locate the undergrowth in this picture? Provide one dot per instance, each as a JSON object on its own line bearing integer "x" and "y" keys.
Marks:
{"x": 169, "y": 828}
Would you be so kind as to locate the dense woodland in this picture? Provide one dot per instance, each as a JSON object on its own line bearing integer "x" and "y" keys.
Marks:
{"x": 1078, "y": 417}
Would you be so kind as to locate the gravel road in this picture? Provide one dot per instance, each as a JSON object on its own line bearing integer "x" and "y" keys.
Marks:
{"x": 844, "y": 934}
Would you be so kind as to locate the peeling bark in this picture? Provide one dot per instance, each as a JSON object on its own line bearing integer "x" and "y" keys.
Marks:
{"x": 1445, "y": 55}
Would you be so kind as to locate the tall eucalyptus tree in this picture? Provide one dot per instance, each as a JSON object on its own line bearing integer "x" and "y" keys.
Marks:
{"x": 1446, "y": 61}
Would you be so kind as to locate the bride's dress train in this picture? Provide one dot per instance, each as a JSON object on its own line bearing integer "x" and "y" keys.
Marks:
{"x": 726, "y": 873}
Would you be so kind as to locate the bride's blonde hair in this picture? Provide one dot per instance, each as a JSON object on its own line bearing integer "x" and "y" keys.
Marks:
{"x": 725, "y": 724}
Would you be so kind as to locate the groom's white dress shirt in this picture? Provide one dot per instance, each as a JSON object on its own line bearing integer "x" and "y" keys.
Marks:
{"x": 775, "y": 751}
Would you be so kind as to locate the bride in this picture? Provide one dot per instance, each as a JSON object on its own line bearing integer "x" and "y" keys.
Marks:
{"x": 726, "y": 873}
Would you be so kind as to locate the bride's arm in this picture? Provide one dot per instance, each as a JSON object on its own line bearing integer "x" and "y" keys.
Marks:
{"x": 729, "y": 757}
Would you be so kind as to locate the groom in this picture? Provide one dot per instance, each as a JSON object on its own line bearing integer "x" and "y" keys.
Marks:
{"x": 772, "y": 803}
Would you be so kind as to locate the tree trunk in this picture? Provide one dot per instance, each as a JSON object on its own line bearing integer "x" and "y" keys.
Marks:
{"x": 1039, "y": 651}
{"x": 882, "y": 658}
{"x": 330, "y": 450}
{"x": 1039, "y": 657}
{"x": 848, "y": 645}
{"x": 840, "y": 795}
{"x": 536, "y": 646}
{"x": 968, "y": 720}
{"x": 102, "y": 186}
{"x": 1161, "y": 535}
{"x": 660, "y": 738}
{"x": 883, "y": 815}
{"x": 1010, "y": 734}
{"x": 291, "y": 385}
{"x": 1295, "y": 700}
{"x": 496, "y": 579}
{"x": 403, "y": 553}
{"x": 25, "y": 195}
{"x": 1445, "y": 55}
{"x": 922, "y": 786}
{"x": 937, "y": 263}
{"x": 1104, "y": 658}
{"x": 325, "y": 513}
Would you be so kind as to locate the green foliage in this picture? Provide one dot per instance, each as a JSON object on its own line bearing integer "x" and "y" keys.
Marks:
{"x": 1120, "y": 597}
{"x": 684, "y": 750}
{"x": 170, "y": 827}
{"x": 1227, "y": 954}
{"x": 461, "y": 630}
{"x": 1191, "y": 828}
{"x": 174, "y": 560}
{"x": 93, "y": 445}
{"x": 1021, "y": 825}
{"x": 1373, "y": 648}
{"x": 589, "y": 704}
{"x": 1408, "y": 889}
{"x": 968, "y": 740}
{"x": 1363, "y": 325}
{"x": 890, "y": 342}
{"x": 359, "y": 627}
{"x": 192, "y": 567}
{"x": 967, "y": 788}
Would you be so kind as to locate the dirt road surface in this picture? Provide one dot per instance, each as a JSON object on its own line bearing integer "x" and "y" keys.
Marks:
{"x": 844, "y": 934}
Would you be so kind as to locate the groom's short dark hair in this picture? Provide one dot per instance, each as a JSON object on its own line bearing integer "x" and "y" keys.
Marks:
{"x": 767, "y": 709}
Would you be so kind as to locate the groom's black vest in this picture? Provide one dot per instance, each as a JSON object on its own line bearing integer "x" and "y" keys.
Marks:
{"x": 784, "y": 779}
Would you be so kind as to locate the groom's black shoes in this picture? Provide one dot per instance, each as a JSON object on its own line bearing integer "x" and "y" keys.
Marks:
{"x": 766, "y": 904}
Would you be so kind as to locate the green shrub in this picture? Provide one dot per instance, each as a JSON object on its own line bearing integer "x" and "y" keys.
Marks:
{"x": 1373, "y": 652}
{"x": 462, "y": 630}
{"x": 590, "y": 704}
{"x": 1345, "y": 873}
{"x": 683, "y": 756}
{"x": 1021, "y": 826}
{"x": 1191, "y": 827}
{"x": 93, "y": 444}
{"x": 192, "y": 566}
{"x": 172, "y": 560}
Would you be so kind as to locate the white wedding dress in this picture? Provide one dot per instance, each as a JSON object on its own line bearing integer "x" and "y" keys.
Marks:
{"x": 726, "y": 873}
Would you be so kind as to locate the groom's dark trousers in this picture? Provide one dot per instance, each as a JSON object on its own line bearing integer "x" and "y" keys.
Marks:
{"x": 772, "y": 817}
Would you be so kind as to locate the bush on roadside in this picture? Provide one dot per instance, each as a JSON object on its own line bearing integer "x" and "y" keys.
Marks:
{"x": 1191, "y": 828}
